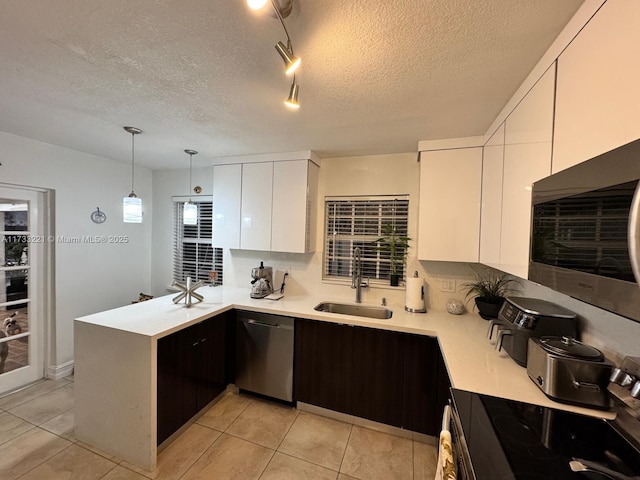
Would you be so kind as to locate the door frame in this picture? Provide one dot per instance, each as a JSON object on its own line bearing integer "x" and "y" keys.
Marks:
{"x": 44, "y": 206}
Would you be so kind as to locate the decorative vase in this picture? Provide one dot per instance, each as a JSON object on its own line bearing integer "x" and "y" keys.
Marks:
{"x": 488, "y": 309}
{"x": 394, "y": 280}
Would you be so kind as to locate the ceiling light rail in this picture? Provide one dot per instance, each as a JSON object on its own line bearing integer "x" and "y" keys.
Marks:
{"x": 286, "y": 52}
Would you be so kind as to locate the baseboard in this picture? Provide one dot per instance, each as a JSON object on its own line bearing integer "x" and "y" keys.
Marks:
{"x": 57, "y": 372}
{"x": 370, "y": 424}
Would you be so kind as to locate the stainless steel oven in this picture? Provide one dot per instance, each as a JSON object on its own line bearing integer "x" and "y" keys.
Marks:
{"x": 451, "y": 422}
{"x": 585, "y": 235}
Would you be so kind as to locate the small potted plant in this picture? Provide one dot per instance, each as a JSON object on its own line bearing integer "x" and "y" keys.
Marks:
{"x": 489, "y": 292}
{"x": 396, "y": 245}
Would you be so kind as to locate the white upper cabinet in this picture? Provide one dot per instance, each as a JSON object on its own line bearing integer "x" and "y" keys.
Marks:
{"x": 449, "y": 218}
{"x": 255, "y": 216}
{"x": 527, "y": 158}
{"x": 598, "y": 93}
{"x": 266, "y": 205}
{"x": 227, "y": 188}
{"x": 491, "y": 210}
{"x": 293, "y": 219}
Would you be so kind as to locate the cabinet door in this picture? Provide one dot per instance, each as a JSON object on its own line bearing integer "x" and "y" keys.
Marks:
{"x": 420, "y": 412}
{"x": 293, "y": 206}
{"x": 598, "y": 95}
{"x": 491, "y": 210}
{"x": 257, "y": 191}
{"x": 527, "y": 158}
{"x": 323, "y": 368}
{"x": 449, "y": 227}
{"x": 227, "y": 188}
{"x": 377, "y": 375}
{"x": 177, "y": 386}
{"x": 211, "y": 367}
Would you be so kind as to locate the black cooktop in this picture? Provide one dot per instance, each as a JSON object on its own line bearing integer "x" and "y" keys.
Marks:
{"x": 511, "y": 440}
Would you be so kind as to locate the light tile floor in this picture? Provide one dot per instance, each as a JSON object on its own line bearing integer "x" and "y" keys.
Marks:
{"x": 239, "y": 438}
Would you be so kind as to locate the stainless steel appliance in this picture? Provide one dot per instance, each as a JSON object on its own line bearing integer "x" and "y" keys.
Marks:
{"x": 262, "y": 281}
{"x": 451, "y": 423}
{"x": 585, "y": 239}
{"x": 510, "y": 440}
{"x": 569, "y": 371}
{"x": 264, "y": 354}
{"x": 521, "y": 318}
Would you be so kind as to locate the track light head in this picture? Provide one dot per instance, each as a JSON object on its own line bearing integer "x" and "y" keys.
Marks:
{"x": 292, "y": 100}
{"x": 291, "y": 62}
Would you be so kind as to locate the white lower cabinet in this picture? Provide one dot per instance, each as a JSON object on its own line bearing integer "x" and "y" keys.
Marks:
{"x": 449, "y": 218}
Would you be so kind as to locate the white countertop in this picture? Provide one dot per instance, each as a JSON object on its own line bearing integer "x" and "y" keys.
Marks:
{"x": 472, "y": 361}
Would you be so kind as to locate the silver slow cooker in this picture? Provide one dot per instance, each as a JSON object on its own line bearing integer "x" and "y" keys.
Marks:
{"x": 569, "y": 371}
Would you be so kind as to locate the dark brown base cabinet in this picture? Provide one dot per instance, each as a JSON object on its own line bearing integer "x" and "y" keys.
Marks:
{"x": 193, "y": 369}
{"x": 389, "y": 377}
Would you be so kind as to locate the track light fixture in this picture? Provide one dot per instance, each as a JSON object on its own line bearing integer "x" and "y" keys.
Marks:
{"x": 282, "y": 8}
{"x": 132, "y": 204}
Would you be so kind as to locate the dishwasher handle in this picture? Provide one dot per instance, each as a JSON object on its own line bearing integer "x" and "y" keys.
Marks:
{"x": 258, "y": 323}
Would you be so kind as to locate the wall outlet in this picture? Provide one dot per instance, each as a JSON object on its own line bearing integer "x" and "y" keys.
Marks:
{"x": 448, "y": 285}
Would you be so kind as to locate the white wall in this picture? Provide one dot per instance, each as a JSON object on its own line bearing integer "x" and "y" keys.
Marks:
{"x": 88, "y": 277}
{"x": 168, "y": 183}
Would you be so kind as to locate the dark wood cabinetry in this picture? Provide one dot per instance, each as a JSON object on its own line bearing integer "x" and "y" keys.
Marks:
{"x": 389, "y": 377}
{"x": 322, "y": 364}
{"x": 193, "y": 369}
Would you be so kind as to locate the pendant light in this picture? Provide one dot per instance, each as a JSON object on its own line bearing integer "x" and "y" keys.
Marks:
{"x": 190, "y": 210}
{"x": 132, "y": 204}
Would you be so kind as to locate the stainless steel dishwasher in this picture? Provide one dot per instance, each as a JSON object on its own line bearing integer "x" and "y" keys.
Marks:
{"x": 264, "y": 354}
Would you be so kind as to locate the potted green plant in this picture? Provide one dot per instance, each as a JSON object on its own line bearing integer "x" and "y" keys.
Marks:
{"x": 489, "y": 291}
{"x": 396, "y": 246}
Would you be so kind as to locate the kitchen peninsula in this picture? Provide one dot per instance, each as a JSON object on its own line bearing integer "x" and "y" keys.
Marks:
{"x": 116, "y": 361}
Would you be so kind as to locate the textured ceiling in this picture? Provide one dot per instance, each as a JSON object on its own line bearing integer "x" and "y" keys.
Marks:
{"x": 377, "y": 76}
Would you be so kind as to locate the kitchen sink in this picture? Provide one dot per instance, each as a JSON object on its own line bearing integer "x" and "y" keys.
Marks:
{"x": 368, "y": 311}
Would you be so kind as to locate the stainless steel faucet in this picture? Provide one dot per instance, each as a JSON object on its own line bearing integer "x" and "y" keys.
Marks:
{"x": 356, "y": 275}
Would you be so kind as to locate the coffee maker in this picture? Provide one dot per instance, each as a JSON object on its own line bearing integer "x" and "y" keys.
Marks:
{"x": 262, "y": 283}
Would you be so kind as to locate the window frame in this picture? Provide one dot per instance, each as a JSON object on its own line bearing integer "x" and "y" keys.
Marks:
{"x": 202, "y": 237}
{"x": 400, "y": 218}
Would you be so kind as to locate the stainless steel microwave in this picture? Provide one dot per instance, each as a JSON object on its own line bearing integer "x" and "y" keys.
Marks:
{"x": 585, "y": 233}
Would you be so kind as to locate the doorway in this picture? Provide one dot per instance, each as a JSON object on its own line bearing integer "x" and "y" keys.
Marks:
{"x": 24, "y": 251}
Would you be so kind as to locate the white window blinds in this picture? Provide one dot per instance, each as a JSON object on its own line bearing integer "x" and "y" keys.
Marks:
{"x": 358, "y": 222}
{"x": 193, "y": 252}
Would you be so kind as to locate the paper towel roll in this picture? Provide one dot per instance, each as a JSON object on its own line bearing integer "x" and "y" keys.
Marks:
{"x": 414, "y": 295}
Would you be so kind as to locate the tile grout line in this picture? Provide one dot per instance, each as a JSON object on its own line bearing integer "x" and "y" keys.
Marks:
{"x": 345, "y": 449}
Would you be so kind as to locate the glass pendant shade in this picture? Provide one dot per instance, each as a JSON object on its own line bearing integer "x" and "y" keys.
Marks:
{"x": 291, "y": 62}
{"x": 132, "y": 209}
{"x": 190, "y": 214}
